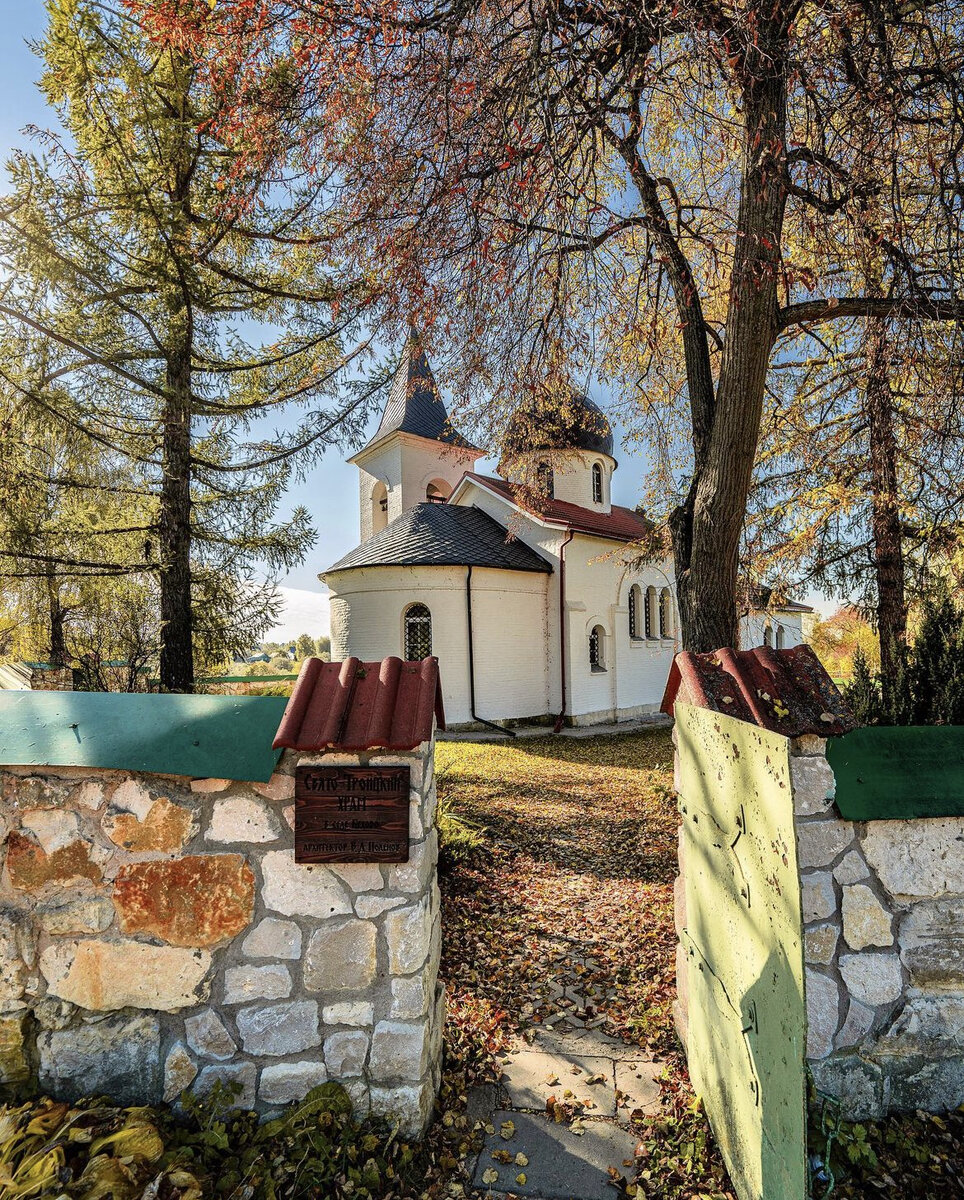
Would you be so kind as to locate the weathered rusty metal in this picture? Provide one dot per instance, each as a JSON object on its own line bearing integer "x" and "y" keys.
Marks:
{"x": 743, "y": 949}
{"x": 353, "y": 706}
{"x": 788, "y": 691}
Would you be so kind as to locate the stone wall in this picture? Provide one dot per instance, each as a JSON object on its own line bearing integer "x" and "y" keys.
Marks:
{"x": 883, "y": 911}
{"x": 156, "y": 934}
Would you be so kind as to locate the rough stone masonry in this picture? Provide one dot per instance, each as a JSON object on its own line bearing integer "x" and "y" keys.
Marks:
{"x": 157, "y": 935}
{"x": 883, "y": 913}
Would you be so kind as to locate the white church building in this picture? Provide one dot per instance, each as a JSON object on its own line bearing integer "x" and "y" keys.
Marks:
{"x": 534, "y": 602}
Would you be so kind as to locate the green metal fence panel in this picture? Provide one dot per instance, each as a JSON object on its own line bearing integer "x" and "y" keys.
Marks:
{"x": 227, "y": 737}
{"x": 897, "y": 772}
{"x": 744, "y": 952}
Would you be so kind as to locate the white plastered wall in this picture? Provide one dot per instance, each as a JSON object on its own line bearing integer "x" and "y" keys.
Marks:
{"x": 509, "y": 631}
{"x": 786, "y": 630}
{"x": 635, "y": 670}
{"x": 572, "y": 477}
{"x": 597, "y": 592}
{"x": 406, "y": 465}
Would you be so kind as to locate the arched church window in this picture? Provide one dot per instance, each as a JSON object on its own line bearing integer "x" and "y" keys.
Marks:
{"x": 379, "y": 507}
{"x": 635, "y": 604}
{"x": 418, "y": 633}
{"x": 781, "y": 637}
{"x": 437, "y": 492}
{"x": 545, "y": 480}
{"x": 597, "y": 649}
{"x": 665, "y": 614}
{"x": 597, "y": 483}
{"x": 767, "y": 635}
{"x": 650, "y": 609}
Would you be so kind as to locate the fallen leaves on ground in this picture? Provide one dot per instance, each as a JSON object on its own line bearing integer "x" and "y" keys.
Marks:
{"x": 562, "y": 917}
{"x": 566, "y": 917}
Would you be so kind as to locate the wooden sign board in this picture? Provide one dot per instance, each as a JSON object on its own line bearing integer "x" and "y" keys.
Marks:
{"x": 351, "y": 814}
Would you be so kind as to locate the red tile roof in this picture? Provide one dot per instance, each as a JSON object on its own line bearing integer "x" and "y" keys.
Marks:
{"x": 354, "y": 705}
{"x": 621, "y": 524}
{"x": 786, "y": 691}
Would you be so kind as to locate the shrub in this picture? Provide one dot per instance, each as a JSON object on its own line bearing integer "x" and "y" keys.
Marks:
{"x": 460, "y": 841}
{"x": 928, "y": 684}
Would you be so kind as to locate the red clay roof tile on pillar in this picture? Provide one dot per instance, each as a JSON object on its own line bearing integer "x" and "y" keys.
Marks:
{"x": 354, "y": 705}
{"x": 787, "y": 691}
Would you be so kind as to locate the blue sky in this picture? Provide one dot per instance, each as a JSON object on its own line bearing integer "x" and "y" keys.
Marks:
{"x": 330, "y": 492}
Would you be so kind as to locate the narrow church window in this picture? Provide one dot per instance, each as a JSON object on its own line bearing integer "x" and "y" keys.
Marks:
{"x": 545, "y": 480}
{"x": 781, "y": 637}
{"x": 379, "y": 507}
{"x": 597, "y": 486}
{"x": 767, "y": 636}
{"x": 635, "y": 600}
{"x": 665, "y": 614}
{"x": 650, "y": 605}
{"x": 596, "y": 654}
{"x": 418, "y": 633}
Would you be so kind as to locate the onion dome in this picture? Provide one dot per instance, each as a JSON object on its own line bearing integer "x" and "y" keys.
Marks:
{"x": 542, "y": 423}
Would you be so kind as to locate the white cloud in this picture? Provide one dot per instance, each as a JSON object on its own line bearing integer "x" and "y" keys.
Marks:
{"x": 302, "y": 612}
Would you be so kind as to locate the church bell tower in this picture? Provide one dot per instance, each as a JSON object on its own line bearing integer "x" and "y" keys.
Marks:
{"x": 415, "y": 455}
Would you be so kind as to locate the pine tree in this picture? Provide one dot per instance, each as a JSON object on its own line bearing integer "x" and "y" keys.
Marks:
{"x": 187, "y": 299}
{"x": 862, "y": 693}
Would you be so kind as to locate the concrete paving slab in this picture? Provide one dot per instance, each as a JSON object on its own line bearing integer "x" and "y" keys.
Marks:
{"x": 530, "y": 1077}
{"x": 637, "y": 1083}
{"x": 584, "y": 1041}
{"x": 561, "y": 1164}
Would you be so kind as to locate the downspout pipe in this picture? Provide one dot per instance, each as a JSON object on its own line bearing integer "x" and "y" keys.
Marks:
{"x": 468, "y": 616}
{"x": 560, "y": 720}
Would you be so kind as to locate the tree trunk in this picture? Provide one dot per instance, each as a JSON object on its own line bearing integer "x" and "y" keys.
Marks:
{"x": 177, "y": 627}
{"x": 885, "y": 512}
{"x": 707, "y": 528}
{"x": 58, "y": 642}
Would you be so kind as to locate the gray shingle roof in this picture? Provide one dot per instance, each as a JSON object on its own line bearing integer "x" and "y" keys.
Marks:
{"x": 443, "y": 535}
{"x": 414, "y": 404}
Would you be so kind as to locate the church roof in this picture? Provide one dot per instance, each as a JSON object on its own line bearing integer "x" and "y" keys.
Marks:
{"x": 443, "y": 535}
{"x": 620, "y": 524}
{"x": 540, "y": 423}
{"x": 414, "y": 404}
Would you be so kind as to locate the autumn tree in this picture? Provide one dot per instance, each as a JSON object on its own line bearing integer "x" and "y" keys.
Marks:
{"x": 305, "y": 645}
{"x": 185, "y": 289}
{"x": 858, "y": 486}
{"x": 663, "y": 192}
{"x": 73, "y": 519}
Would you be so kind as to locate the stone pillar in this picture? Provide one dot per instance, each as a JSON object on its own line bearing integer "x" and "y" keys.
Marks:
{"x": 378, "y": 965}
{"x": 883, "y": 912}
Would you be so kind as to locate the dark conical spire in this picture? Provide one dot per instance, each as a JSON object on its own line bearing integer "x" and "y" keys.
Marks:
{"x": 414, "y": 404}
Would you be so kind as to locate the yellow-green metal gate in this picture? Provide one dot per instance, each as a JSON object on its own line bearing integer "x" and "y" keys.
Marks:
{"x": 743, "y": 949}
